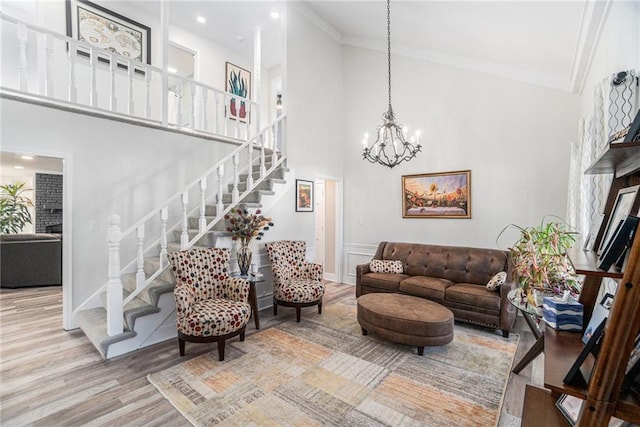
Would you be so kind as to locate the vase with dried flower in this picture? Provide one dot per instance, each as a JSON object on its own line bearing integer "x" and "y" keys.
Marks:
{"x": 244, "y": 226}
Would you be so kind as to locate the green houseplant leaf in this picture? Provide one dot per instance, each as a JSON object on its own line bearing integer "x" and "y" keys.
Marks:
{"x": 14, "y": 208}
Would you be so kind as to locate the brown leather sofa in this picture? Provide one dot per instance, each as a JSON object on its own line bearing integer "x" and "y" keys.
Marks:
{"x": 455, "y": 277}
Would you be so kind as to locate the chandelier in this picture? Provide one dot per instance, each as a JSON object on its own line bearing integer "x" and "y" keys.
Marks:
{"x": 391, "y": 146}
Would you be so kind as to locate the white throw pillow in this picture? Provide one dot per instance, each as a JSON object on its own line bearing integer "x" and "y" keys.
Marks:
{"x": 385, "y": 266}
{"x": 497, "y": 281}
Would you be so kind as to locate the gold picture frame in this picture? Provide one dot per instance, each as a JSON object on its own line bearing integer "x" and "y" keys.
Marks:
{"x": 437, "y": 195}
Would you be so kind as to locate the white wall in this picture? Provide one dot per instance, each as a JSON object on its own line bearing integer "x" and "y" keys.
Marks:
{"x": 618, "y": 49}
{"x": 116, "y": 168}
{"x": 514, "y": 137}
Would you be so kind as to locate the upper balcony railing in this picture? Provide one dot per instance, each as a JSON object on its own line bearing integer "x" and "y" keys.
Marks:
{"x": 38, "y": 61}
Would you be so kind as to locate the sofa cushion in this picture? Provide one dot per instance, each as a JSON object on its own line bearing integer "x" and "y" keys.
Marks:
{"x": 497, "y": 281}
{"x": 383, "y": 281}
{"x": 425, "y": 287}
{"x": 473, "y": 295}
{"x": 385, "y": 266}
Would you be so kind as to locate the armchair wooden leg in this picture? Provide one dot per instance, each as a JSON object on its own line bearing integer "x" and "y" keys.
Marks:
{"x": 221, "y": 344}
{"x": 242, "y": 335}
{"x": 181, "y": 346}
{"x": 320, "y": 307}
{"x": 298, "y": 309}
{"x": 505, "y": 333}
{"x": 275, "y": 306}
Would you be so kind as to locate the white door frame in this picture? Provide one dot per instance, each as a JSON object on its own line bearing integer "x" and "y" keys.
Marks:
{"x": 339, "y": 218}
{"x": 67, "y": 236}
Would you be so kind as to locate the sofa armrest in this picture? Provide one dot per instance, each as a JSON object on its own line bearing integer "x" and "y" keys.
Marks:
{"x": 360, "y": 270}
{"x": 507, "y": 311}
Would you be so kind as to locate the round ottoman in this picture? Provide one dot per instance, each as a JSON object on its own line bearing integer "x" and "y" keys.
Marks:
{"x": 405, "y": 319}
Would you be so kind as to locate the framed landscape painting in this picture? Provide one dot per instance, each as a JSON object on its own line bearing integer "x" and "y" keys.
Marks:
{"x": 304, "y": 195}
{"x": 437, "y": 195}
{"x": 105, "y": 29}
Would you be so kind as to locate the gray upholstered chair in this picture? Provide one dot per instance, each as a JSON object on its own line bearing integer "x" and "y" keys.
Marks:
{"x": 296, "y": 282}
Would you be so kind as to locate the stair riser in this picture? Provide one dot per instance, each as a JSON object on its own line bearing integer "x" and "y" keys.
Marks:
{"x": 203, "y": 241}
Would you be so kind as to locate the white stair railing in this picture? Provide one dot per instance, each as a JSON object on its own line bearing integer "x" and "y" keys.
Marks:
{"x": 225, "y": 172}
{"x": 91, "y": 78}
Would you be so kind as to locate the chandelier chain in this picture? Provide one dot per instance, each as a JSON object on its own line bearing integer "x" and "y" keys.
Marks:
{"x": 389, "y": 48}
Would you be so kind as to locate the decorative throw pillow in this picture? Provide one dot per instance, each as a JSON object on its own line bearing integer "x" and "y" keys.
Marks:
{"x": 497, "y": 281}
{"x": 385, "y": 266}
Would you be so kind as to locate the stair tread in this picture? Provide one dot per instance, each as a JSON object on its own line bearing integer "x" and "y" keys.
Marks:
{"x": 93, "y": 323}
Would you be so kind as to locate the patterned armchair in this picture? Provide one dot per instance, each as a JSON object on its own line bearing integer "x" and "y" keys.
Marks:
{"x": 296, "y": 282}
{"x": 210, "y": 305}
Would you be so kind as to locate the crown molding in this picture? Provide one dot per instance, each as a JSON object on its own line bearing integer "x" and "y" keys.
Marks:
{"x": 315, "y": 19}
{"x": 594, "y": 16}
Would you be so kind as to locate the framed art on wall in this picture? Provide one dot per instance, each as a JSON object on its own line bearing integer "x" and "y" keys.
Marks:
{"x": 622, "y": 207}
{"x": 304, "y": 195}
{"x": 238, "y": 82}
{"x": 105, "y": 29}
{"x": 437, "y": 195}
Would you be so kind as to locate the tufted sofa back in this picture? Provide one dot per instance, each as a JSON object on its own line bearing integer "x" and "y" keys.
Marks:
{"x": 458, "y": 264}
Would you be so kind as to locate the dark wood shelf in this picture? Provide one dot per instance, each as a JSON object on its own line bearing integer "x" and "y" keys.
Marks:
{"x": 628, "y": 408}
{"x": 622, "y": 158}
{"x": 586, "y": 262}
{"x": 540, "y": 409}
{"x": 561, "y": 349}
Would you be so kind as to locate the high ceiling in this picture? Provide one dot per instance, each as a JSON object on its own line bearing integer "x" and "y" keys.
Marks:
{"x": 542, "y": 42}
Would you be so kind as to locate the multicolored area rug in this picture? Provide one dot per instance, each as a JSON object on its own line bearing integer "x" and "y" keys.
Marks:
{"x": 322, "y": 371}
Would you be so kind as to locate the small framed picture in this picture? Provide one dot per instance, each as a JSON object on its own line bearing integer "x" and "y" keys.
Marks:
{"x": 569, "y": 407}
{"x": 304, "y": 195}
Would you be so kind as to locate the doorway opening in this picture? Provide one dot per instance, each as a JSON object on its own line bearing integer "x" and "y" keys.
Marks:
{"x": 328, "y": 226}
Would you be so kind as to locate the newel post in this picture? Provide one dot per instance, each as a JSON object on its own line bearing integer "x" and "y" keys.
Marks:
{"x": 115, "y": 319}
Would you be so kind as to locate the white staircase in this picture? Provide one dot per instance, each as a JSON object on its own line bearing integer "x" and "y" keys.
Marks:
{"x": 135, "y": 308}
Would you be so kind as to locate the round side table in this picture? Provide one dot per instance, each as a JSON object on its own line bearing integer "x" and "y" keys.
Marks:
{"x": 532, "y": 316}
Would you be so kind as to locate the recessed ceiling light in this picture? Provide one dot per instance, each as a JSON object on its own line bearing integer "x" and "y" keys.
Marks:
{"x": 201, "y": 19}
{"x": 172, "y": 70}
{"x": 18, "y": 167}
{"x": 26, "y": 157}
{"x": 275, "y": 14}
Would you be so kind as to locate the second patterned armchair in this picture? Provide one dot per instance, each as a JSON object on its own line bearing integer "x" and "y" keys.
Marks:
{"x": 296, "y": 282}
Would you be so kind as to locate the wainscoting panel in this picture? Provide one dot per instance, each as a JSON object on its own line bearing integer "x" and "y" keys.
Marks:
{"x": 355, "y": 254}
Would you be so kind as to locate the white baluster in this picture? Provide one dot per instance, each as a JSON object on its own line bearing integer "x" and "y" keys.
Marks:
{"x": 179, "y": 103}
{"x": 147, "y": 93}
{"x": 23, "y": 65}
{"x": 130, "y": 105}
{"x": 238, "y": 105}
{"x": 71, "y": 55}
{"x": 184, "y": 237}
{"x": 216, "y": 129}
{"x": 113, "y": 101}
{"x": 205, "y": 119}
{"x": 250, "y": 158}
{"x": 235, "y": 192}
{"x": 48, "y": 78}
{"x": 220, "y": 205}
{"x": 140, "y": 278}
{"x": 203, "y": 221}
{"x": 164, "y": 258}
{"x": 93, "y": 90}
{"x": 246, "y": 122}
{"x": 192, "y": 115}
{"x": 227, "y": 108}
{"x": 256, "y": 117}
{"x": 263, "y": 166}
{"x": 115, "y": 319}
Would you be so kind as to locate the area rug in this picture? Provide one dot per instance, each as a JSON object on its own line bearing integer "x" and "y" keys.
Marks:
{"x": 323, "y": 371}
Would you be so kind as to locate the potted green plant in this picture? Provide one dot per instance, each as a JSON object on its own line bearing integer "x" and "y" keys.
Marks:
{"x": 540, "y": 263}
{"x": 14, "y": 208}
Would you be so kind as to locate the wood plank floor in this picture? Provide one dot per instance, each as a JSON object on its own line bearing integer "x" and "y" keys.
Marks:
{"x": 52, "y": 377}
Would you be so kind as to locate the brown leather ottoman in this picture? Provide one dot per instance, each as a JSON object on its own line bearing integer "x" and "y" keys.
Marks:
{"x": 405, "y": 319}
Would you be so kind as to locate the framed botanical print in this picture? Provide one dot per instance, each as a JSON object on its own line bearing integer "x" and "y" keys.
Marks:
{"x": 437, "y": 195}
{"x": 304, "y": 195}
{"x": 105, "y": 29}
{"x": 238, "y": 82}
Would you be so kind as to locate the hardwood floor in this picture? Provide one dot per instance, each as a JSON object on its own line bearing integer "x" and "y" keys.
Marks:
{"x": 52, "y": 377}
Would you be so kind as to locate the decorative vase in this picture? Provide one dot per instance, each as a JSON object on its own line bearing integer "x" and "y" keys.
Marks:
{"x": 244, "y": 259}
